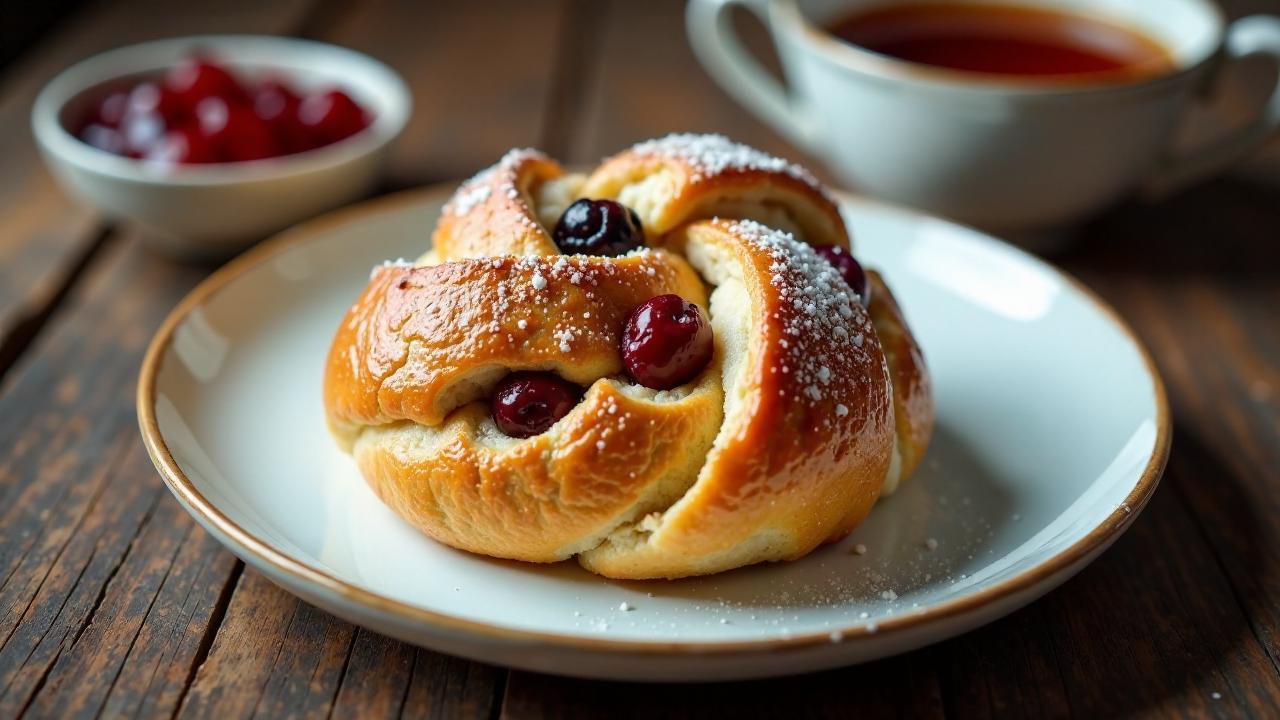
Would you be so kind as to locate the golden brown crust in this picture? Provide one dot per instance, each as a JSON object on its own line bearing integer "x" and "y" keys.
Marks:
{"x": 912, "y": 389}
{"x": 418, "y": 336}
{"x": 544, "y": 498}
{"x": 493, "y": 212}
{"x": 679, "y": 178}
{"x": 800, "y": 458}
{"x": 809, "y": 408}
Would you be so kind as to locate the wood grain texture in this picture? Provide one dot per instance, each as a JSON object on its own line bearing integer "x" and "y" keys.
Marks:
{"x": 113, "y": 603}
{"x": 480, "y": 75}
{"x": 1199, "y": 278}
{"x": 274, "y": 656}
{"x": 644, "y": 82}
{"x": 90, "y": 532}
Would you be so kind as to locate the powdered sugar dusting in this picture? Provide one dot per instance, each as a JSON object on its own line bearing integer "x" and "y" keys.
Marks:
{"x": 822, "y": 322}
{"x": 528, "y": 287}
{"x": 500, "y": 178}
{"x": 713, "y": 155}
{"x": 464, "y": 201}
{"x": 397, "y": 263}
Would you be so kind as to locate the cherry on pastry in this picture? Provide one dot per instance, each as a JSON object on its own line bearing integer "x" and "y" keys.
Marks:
{"x": 666, "y": 342}
{"x": 527, "y": 403}
{"x": 598, "y": 227}
{"x": 849, "y": 268}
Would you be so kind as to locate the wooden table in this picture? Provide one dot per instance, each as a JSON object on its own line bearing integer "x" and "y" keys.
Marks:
{"x": 112, "y": 601}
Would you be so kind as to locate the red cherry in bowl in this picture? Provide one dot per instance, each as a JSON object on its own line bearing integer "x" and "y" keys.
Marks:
{"x": 235, "y": 131}
{"x": 153, "y": 98}
{"x": 273, "y": 99}
{"x": 331, "y": 116}
{"x": 849, "y": 268}
{"x": 185, "y": 145}
{"x": 527, "y": 403}
{"x": 195, "y": 79}
{"x": 666, "y": 342}
{"x": 277, "y": 106}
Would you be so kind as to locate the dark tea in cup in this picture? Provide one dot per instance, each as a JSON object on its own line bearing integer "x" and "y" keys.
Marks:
{"x": 1004, "y": 40}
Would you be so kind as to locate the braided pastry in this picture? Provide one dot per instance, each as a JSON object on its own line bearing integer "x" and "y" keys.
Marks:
{"x": 670, "y": 366}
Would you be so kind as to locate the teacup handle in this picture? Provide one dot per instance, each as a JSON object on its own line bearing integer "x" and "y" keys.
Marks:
{"x": 1253, "y": 35}
{"x": 716, "y": 43}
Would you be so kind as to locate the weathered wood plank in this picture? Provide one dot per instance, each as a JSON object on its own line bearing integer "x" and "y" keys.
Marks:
{"x": 480, "y": 77}
{"x": 78, "y": 495}
{"x": 644, "y": 82}
{"x": 177, "y": 631}
{"x": 899, "y": 687}
{"x": 1199, "y": 278}
{"x": 147, "y": 591}
{"x": 445, "y": 686}
{"x": 377, "y": 679}
{"x": 46, "y": 235}
{"x": 76, "y": 492}
{"x": 273, "y": 656}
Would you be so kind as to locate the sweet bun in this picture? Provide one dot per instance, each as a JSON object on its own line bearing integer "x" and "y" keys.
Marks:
{"x": 683, "y": 177}
{"x": 912, "y": 391}
{"x": 811, "y": 406}
{"x": 423, "y": 345}
{"x": 807, "y": 434}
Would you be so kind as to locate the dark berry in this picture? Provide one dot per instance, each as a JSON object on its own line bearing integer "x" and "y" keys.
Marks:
{"x": 331, "y": 116}
{"x": 195, "y": 79}
{"x": 235, "y": 131}
{"x": 666, "y": 342}
{"x": 598, "y": 227}
{"x": 849, "y": 268}
{"x": 272, "y": 99}
{"x": 276, "y": 105}
{"x": 151, "y": 98}
{"x": 527, "y": 403}
{"x": 185, "y": 145}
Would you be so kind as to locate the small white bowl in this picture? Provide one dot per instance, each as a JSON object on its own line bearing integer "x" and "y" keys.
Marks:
{"x": 213, "y": 211}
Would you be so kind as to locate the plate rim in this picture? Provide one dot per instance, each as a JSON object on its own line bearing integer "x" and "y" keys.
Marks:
{"x": 297, "y": 571}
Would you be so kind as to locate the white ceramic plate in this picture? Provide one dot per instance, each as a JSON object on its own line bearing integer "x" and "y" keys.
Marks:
{"x": 1052, "y": 432}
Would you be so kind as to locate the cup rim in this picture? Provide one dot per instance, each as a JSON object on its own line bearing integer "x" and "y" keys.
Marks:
{"x": 74, "y": 81}
{"x": 885, "y": 67}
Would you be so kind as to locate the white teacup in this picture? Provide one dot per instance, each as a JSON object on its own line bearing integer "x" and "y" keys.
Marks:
{"x": 1009, "y": 153}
